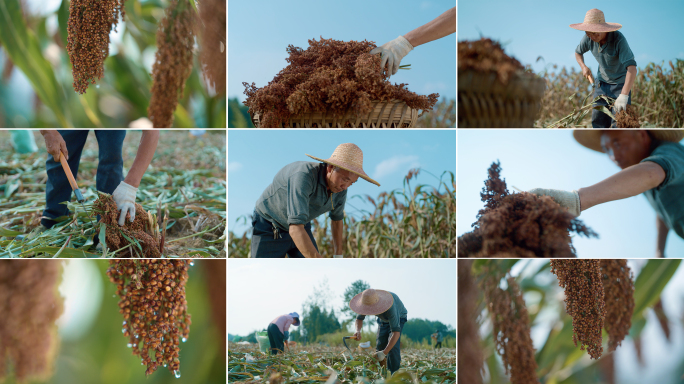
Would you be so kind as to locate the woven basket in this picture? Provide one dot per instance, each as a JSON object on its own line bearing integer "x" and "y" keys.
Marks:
{"x": 384, "y": 114}
{"x": 485, "y": 102}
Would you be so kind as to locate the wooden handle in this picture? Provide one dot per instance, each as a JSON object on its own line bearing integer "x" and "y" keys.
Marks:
{"x": 67, "y": 170}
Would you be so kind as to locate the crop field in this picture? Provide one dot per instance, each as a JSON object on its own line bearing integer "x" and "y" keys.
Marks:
{"x": 416, "y": 221}
{"x": 314, "y": 364}
{"x": 185, "y": 184}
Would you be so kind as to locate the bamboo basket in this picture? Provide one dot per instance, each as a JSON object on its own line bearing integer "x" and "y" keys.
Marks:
{"x": 485, "y": 102}
{"x": 383, "y": 114}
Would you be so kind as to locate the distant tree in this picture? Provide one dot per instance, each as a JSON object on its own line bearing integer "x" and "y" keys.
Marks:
{"x": 319, "y": 322}
{"x": 354, "y": 289}
{"x": 420, "y": 329}
{"x": 238, "y": 115}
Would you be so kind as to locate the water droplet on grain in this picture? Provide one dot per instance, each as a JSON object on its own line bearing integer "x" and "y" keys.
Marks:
{"x": 113, "y": 295}
{"x": 129, "y": 345}
{"x": 136, "y": 336}
{"x": 177, "y": 374}
{"x": 124, "y": 323}
{"x": 184, "y": 339}
{"x": 192, "y": 263}
{"x": 164, "y": 365}
{"x": 123, "y": 330}
{"x": 97, "y": 86}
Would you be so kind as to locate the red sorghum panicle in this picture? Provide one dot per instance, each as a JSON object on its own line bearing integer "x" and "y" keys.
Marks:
{"x": 29, "y": 305}
{"x": 116, "y": 235}
{"x": 90, "y": 22}
{"x": 332, "y": 76}
{"x": 154, "y": 308}
{"x": 519, "y": 224}
{"x": 173, "y": 61}
{"x": 584, "y": 301}
{"x": 469, "y": 350}
{"x": 511, "y": 326}
{"x": 213, "y": 53}
{"x": 618, "y": 287}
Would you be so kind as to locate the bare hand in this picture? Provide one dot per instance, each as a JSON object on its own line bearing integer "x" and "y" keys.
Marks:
{"x": 54, "y": 143}
{"x": 586, "y": 72}
{"x": 357, "y": 335}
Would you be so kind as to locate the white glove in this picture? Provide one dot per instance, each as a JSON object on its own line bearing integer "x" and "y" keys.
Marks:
{"x": 566, "y": 199}
{"x": 379, "y": 356}
{"x": 392, "y": 53}
{"x": 124, "y": 197}
{"x": 621, "y": 103}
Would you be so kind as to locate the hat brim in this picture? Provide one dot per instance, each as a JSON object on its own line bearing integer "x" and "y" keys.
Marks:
{"x": 358, "y": 172}
{"x": 591, "y": 138}
{"x": 385, "y": 301}
{"x": 602, "y": 27}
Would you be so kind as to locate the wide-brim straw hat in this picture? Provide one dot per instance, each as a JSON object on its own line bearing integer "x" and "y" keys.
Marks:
{"x": 371, "y": 302}
{"x": 349, "y": 157}
{"x": 591, "y": 138}
{"x": 594, "y": 21}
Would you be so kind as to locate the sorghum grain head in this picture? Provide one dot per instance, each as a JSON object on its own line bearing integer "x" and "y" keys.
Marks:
{"x": 619, "y": 297}
{"x": 213, "y": 53}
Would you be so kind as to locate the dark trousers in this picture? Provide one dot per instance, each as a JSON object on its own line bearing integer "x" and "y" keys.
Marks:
{"x": 265, "y": 245}
{"x": 438, "y": 345}
{"x": 598, "y": 118}
{"x": 109, "y": 169}
{"x": 384, "y": 334}
{"x": 276, "y": 338}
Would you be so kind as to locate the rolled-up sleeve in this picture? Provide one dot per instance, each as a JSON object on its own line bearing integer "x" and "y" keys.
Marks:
{"x": 393, "y": 319}
{"x": 625, "y": 53}
{"x": 338, "y": 213}
{"x": 670, "y": 164}
{"x": 360, "y": 317}
{"x": 299, "y": 187}
{"x": 583, "y": 46}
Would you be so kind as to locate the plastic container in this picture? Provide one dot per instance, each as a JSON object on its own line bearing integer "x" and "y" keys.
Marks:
{"x": 264, "y": 344}
{"x": 23, "y": 141}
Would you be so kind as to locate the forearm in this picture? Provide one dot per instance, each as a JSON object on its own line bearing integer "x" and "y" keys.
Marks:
{"x": 146, "y": 149}
{"x": 358, "y": 323}
{"x": 629, "y": 80}
{"x": 626, "y": 183}
{"x": 392, "y": 342}
{"x": 580, "y": 60}
{"x": 302, "y": 241}
{"x": 663, "y": 230}
{"x": 338, "y": 235}
{"x": 443, "y": 25}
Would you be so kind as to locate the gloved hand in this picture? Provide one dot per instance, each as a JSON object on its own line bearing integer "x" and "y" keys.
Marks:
{"x": 621, "y": 103}
{"x": 124, "y": 197}
{"x": 379, "y": 356}
{"x": 392, "y": 53}
{"x": 566, "y": 199}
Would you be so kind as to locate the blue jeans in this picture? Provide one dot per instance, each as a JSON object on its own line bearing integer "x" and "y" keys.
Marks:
{"x": 109, "y": 169}
{"x": 384, "y": 333}
{"x": 598, "y": 118}
{"x": 265, "y": 245}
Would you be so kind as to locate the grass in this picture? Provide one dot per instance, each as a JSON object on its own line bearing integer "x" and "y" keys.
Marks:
{"x": 415, "y": 221}
{"x": 188, "y": 182}
{"x": 442, "y": 115}
{"x": 313, "y": 364}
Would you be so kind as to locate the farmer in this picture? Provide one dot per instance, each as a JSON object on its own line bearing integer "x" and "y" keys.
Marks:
{"x": 279, "y": 331}
{"x": 391, "y": 317}
{"x": 392, "y": 52}
{"x": 617, "y": 68}
{"x": 652, "y": 163}
{"x": 438, "y": 338}
{"x": 109, "y": 179}
{"x": 300, "y": 192}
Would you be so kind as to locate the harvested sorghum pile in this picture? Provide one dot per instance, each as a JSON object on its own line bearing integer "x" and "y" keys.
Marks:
{"x": 116, "y": 235}
{"x": 486, "y": 55}
{"x": 29, "y": 305}
{"x": 519, "y": 225}
{"x": 628, "y": 118}
{"x": 154, "y": 309}
{"x": 331, "y": 75}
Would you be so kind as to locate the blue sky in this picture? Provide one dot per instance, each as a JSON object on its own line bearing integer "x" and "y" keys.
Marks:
{"x": 435, "y": 300}
{"x": 553, "y": 159}
{"x": 259, "y": 32}
{"x": 254, "y": 157}
{"x": 533, "y": 28}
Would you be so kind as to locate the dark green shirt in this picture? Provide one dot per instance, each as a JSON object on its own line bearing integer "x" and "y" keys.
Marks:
{"x": 299, "y": 194}
{"x": 392, "y": 316}
{"x": 668, "y": 198}
{"x": 613, "y": 57}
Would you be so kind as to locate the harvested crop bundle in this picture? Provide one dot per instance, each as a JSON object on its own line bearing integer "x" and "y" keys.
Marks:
{"x": 154, "y": 309}
{"x": 486, "y": 55}
{"x": 519, "y": 224}
{"x": 330, "y": 76}
{"x": 618, "y": 286}
{"x": 173, "y": 61}
{"x": 30, "y": 305}
{"x": 469, "y": 349}
{"x": 90, "y": 22}
{"x": 584, "y": 301}
{"x": 628, "y": 118}
{"x": 142, "y": 229}
{"x": 213, "y": 53}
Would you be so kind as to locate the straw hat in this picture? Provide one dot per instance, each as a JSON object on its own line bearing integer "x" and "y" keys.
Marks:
{"x": 371, "y": 302}
{"x": 591, "y": 138}
{"x": 350, "y": 158}
{"x": 594, "y": 21}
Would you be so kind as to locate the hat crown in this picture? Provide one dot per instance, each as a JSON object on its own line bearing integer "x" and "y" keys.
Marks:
{"x": 369, "y": 297}
{"x": 350, "y": 154}
{"x": 594, "y": 16}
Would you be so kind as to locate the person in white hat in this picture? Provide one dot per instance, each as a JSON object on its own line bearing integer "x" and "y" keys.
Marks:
{"x": 279, "y": 331}
{"x": 300, "y": 192}
{"x": 391, "y": 317}
{"x": 652, "y": 163}
{"x": 617, "y": 67}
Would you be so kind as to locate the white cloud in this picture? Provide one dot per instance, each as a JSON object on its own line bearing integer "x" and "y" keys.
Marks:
{"x": 234, "y": 166}
{"x": 395, "y": 164}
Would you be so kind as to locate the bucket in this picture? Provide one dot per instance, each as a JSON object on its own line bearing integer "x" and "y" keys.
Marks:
{"x": 23, "y": 142}
{"x": 264, "y": 344}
